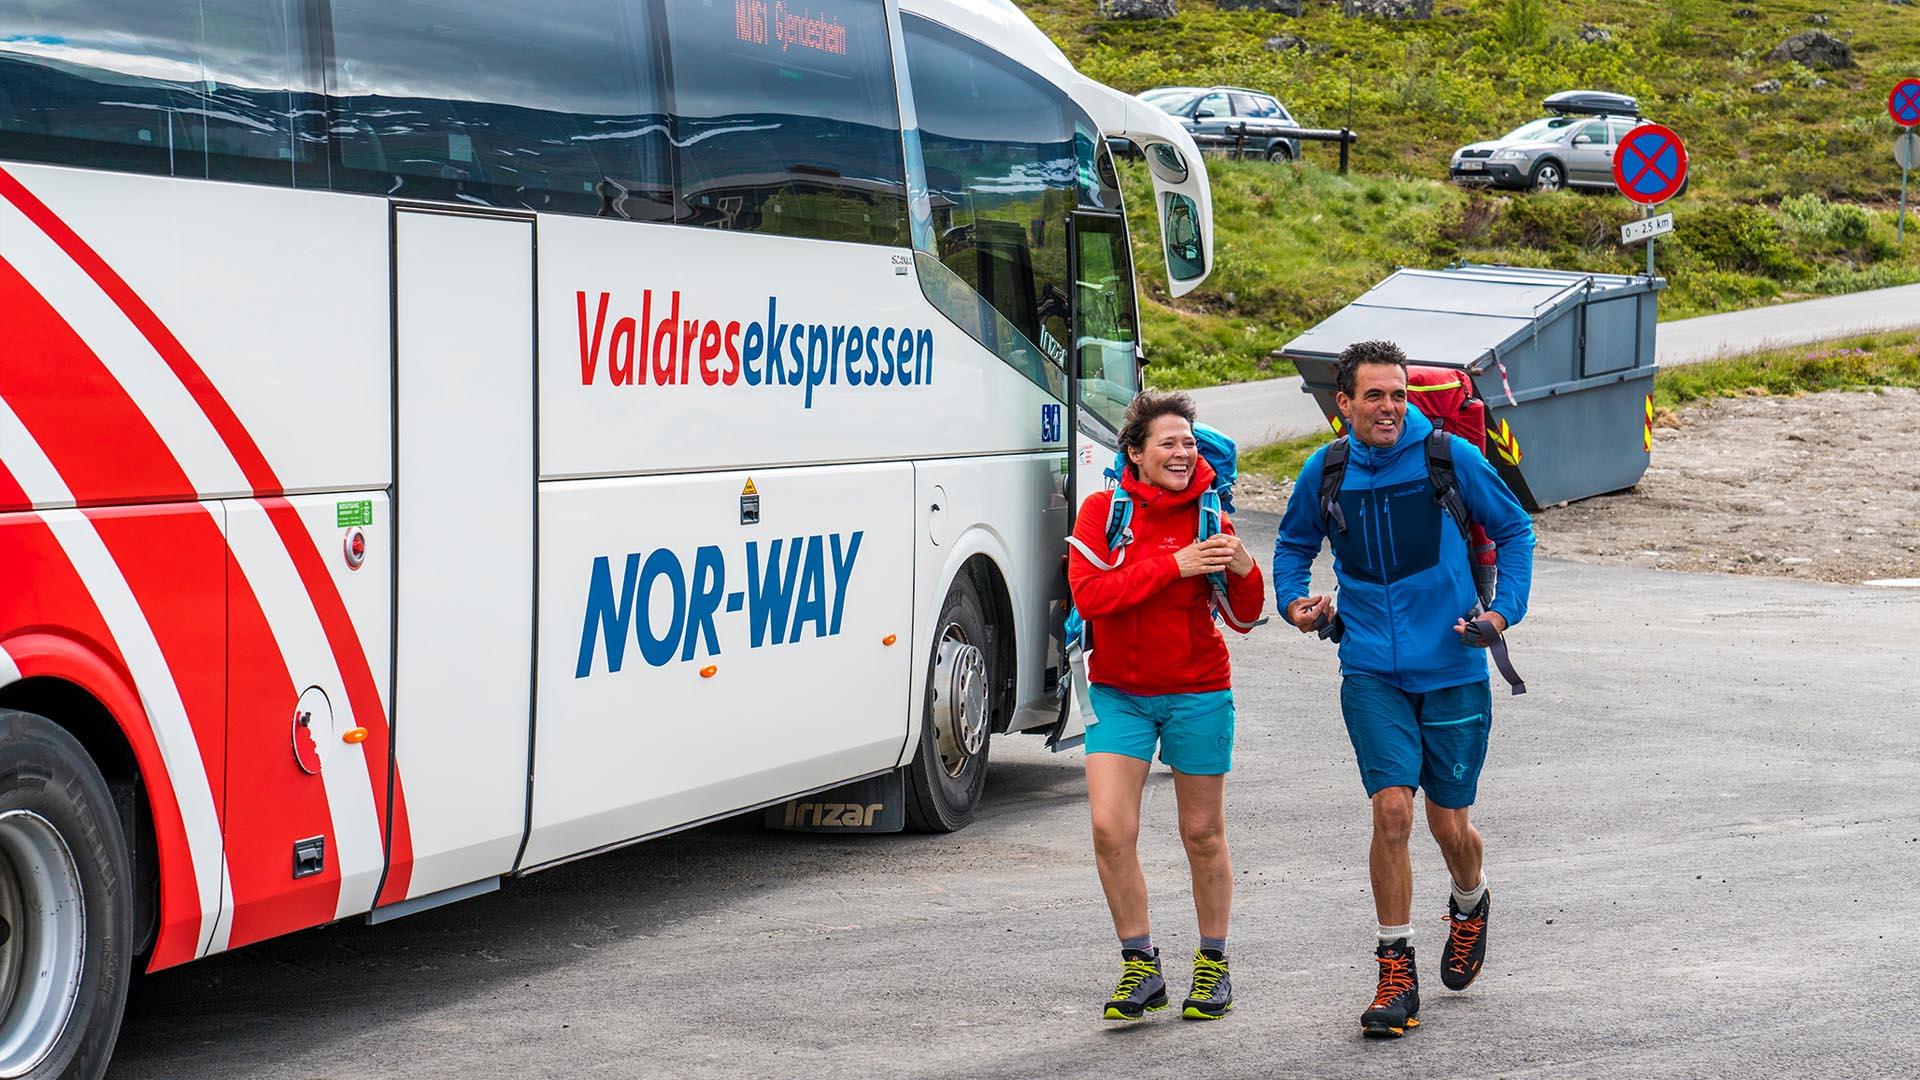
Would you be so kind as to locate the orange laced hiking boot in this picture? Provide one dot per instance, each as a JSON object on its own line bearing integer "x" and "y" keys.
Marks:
{"x": 1396, "y": 1004}
{"x": 1466, "y": 942}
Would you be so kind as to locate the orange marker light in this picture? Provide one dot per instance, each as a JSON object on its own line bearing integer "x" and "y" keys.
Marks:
{"x": 354, "y": 735}
{"x": 709, "y": 671}
{"x": 889, "y": 639}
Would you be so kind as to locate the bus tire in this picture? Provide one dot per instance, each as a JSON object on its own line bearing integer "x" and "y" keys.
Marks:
{"x": 66, "y": 902}
{"x": 949, "y": 770}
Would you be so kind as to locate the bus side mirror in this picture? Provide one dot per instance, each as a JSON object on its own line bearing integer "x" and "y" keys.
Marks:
{"x": 1180, "y": 226}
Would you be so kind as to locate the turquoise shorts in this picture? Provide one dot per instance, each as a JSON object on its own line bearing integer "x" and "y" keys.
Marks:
{"x": 1194, "y": 731}
{"x": 1436, "y": 741}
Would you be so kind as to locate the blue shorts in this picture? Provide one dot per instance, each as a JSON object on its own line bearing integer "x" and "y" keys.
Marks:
{"x": 1436, "y": 741}
{"x": 1194, "y": 731}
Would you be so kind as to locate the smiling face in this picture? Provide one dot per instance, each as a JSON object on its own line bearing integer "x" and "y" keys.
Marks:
{"x": 1167, "y": 456}
{"x": 1377, "y": 411}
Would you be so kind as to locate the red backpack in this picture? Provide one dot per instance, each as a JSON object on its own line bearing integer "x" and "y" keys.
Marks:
{"x": 1446, "y": 397}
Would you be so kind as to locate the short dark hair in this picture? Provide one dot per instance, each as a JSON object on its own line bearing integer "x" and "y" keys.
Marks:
{"x": 1346, "y": 377}
{"x": 1151, "y": 405}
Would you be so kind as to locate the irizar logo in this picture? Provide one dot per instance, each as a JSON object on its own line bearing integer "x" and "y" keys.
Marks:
{"x": 831, "y": 815}
{"x": 795, "y": 585}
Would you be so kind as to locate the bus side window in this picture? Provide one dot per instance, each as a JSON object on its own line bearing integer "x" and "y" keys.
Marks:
{"x": 1002, "y": 166}
{"x": 786, "y": 120}
{"x": 108, "y": 84}
{"x": 553, "y": 106}
{"x": 255, "y": 91}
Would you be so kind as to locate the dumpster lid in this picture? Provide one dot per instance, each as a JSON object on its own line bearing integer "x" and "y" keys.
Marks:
{"x": 1455, "y": 316}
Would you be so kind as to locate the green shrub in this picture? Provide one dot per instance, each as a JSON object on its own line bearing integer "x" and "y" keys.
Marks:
{"x": 1743, "y": 238}
{"x": 1522, "y": 23}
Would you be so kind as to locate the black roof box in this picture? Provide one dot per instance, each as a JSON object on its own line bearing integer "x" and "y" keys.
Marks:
{"x": 1595, "y": 102}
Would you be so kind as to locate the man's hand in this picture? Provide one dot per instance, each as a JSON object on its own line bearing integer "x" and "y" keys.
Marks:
{"x": 1305, "y": 613}
{"x": 1204, "y": 557}
{"x": 1470, "y": 635}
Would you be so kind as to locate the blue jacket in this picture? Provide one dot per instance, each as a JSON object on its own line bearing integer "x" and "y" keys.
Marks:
{"x": 1403, "y": 570}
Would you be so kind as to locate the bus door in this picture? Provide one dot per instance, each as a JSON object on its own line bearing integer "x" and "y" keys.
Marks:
{"x": 464, "y": 540}
{"x": 1103, "y": 375}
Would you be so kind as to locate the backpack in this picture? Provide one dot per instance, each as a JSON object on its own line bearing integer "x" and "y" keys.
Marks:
{"x": 1219, "y": 452}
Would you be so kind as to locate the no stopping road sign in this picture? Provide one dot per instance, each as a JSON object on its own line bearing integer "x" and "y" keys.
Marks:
{"x": 1651, "y": 164}
{"x": 1903, "y": 103}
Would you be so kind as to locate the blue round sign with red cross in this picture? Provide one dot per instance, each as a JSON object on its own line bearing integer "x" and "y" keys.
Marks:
{"x": 1903, "y": 104}
{"x": 1651, "y": 164}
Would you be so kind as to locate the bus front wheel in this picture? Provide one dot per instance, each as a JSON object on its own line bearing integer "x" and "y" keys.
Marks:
{"x": 949, "y": 769}
{"x": 66, "y": 906}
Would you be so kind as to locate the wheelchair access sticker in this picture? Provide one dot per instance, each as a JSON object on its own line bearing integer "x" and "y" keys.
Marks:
{"x": 1050, "y": 423}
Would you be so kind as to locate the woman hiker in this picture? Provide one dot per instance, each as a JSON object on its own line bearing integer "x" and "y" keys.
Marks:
{"x": 1160, "y": 676}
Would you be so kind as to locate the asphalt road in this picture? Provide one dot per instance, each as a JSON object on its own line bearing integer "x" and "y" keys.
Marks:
{"x": 1703, "y": 830}
{"x": 1269, "y": 410}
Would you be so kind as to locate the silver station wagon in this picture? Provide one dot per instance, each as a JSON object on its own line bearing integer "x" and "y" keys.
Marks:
{"x": 1573, "y": 146}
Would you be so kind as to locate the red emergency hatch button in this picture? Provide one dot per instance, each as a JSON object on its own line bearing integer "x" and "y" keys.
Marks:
{"x": 355, "y": 547}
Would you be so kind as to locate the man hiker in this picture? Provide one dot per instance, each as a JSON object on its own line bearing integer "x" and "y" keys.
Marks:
{"x": 1414, "y": 688}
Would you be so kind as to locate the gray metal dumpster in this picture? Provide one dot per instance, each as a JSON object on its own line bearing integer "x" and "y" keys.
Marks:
{"x": 1564, "y": 360}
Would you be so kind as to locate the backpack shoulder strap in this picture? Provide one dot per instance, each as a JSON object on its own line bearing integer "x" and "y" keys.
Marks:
{"x": 1212, "y": 524}
{"x": 1333, "y": 471}
{"x": 1120, "y": 520}
{"x": 1119, "y": 532}
{"x": 1446, "y": 492}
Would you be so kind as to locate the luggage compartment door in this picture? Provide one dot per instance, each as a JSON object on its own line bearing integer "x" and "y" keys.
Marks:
{"x": 464, "y": 525}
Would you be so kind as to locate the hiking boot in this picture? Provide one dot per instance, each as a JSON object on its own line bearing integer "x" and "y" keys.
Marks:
{"x": 1141, "y": 989}
{"x": 1212, "y": 995}
{"x": 1396, "y": 1004}
{"x": 1466, "y": 942}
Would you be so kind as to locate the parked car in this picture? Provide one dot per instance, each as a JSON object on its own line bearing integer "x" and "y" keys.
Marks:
{"x": 1213, "y": 114}
{"x": 1572, "y": 146}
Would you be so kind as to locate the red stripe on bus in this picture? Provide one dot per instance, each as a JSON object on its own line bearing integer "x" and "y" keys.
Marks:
{"x": 362, "y": 692}
{"x": 76, "y": 410}
{"x": 341, "y": 636}
{"x": 69, "y": 640}
{"x": 253, "y": 464}
{"x": 271, "y": 802}
{"x": 175, "y": 561}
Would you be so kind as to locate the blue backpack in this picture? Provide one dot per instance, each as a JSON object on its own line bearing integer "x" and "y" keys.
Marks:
{"x": 1219, "y": 452}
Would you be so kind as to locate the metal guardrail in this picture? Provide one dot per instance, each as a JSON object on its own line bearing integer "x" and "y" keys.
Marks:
{"x": 1346, "y": 137}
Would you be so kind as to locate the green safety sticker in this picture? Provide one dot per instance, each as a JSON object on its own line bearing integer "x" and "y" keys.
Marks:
{"x": 349, "y": 514}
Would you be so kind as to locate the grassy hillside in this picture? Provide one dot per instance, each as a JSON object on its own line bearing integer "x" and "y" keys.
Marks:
{"x": 1793, "y": 191}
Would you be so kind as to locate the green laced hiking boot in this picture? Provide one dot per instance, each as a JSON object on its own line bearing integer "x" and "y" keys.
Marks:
{"x": 1212, "y": 995}
{"x": 1141, "y": 990}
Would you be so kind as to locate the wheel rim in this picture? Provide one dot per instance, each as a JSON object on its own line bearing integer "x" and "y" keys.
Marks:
{"x": 1548, "y": 178}
{"x": 959, "y": 700}
{"x": 44, "y": 908}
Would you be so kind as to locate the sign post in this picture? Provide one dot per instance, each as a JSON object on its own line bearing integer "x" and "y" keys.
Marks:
{"x": 1903, "y": 104}
{"x": 1906, "y": 151}
{"x": 1650, "y": 168}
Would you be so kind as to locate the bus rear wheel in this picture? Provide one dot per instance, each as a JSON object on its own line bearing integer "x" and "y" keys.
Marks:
{"x": 66, "y": 906}
{"x": 949, "y": 770}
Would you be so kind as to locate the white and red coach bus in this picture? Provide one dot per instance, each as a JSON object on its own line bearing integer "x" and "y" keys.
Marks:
{"x": 444, "y": 438}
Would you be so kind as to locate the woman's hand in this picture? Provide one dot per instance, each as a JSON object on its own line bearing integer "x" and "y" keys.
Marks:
{"x": 1207, "y": 556}
{"x": 1242, "y": 562}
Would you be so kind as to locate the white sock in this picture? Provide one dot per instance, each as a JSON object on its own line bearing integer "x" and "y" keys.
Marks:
{"x": 1467, "y": 901}
{"x": 1390, "y": 934}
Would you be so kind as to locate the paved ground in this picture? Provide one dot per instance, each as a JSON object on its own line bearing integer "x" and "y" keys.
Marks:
{"x": 1704, "y": 837}
{"x": 1257, "y": 413}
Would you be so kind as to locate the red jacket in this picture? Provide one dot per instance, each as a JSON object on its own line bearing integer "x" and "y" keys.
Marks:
{"x": 1152, "y": 630}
